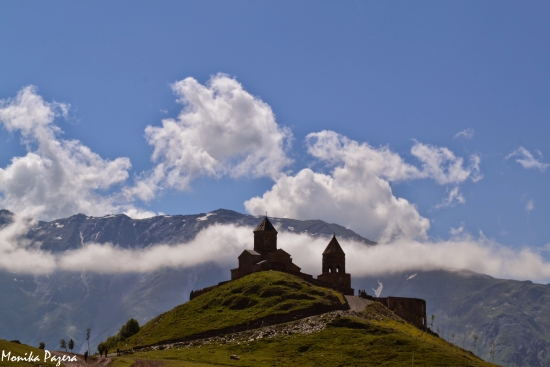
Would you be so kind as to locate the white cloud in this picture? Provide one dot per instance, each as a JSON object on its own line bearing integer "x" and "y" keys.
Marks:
{"x": 529, "y": 206}
{"x": 357, "y": 192}
{"x": 479, "y": 255}
{"x": 456, "y": 232}
{"x": 444, "y": 167}
{"x": 466, "y": 134}
{"x": 222, "y": 130}
{"x": 228, "y": 241}
{"x": 526, "y": 159}
{"x": 454, "y": 197}
{"x": 57, "y": 177}
{"x": 355, "y": 199}
{"x": 334, "y": 148}
{"x": 18, "y": 254}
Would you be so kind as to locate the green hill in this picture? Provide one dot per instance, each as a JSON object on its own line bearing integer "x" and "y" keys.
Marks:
{"x": 375, "y": 337}
{"x": 21, "y": 350}
{"x": 257, "y": 299}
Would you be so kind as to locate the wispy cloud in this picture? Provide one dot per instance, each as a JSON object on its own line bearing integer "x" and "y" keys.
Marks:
{"x": 526, "y": 159}
{"x": 441, "y": 164}
{"x": 454, "y": 197}
{"x": 465, "y": 134}
{"x": 529, "y": 206}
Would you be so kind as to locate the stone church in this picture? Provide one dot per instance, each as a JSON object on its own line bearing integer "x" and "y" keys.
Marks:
{"x": 266, "y": 256}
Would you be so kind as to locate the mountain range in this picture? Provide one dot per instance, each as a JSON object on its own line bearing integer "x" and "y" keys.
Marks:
{"x": 34, "y": 308}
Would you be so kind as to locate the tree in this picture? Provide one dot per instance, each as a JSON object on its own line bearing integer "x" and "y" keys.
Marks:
{"x": 42, "y": 345}
{"x": 101, "y": 348}
{"x": 88, "y": 338}
{"x": 432, "y": 322}
{"x": 63, "y": 344}
{"x": 130, "y": 328}
{"x": 71, "y": 345}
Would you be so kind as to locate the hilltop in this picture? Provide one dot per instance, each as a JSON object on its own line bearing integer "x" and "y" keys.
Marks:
{"x": 372, "y": 337}
{"x": 257, "y": 299}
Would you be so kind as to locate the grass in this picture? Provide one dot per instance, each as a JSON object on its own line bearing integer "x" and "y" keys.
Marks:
{"x": 235, "y": 303}
{"x": 20, "y": 350}
{"x": 376, "y": 339}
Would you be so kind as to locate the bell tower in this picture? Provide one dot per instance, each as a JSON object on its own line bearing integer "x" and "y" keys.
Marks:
{"x": 334, "y": 268}
{"x": 265, "y": 238}
{"x": 334, "y": 258}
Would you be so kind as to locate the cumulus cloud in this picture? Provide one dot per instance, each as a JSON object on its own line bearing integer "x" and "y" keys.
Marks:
{"x": 335, "y": 148}
{"x": 454, "y": 197}
{"x": 357, "y": 192}
{"x": 228, "y": 241}
{"x": 466, "y": 134}
{"x": 222, "y": 130}
{"x": 56, "y": 177}
{"x": 526, "y": 159}
{"x": 362, "y": 202}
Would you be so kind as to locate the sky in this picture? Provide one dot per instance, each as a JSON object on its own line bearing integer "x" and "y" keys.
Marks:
{"x": 423, "y": 121}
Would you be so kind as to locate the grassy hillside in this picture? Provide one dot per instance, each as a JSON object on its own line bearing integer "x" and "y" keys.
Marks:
{"x": 20, "y": 350}
{"x": 240, "y": 302}
{"x": 374, "y": 338}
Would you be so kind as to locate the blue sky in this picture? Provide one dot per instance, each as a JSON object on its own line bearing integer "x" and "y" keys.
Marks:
{"x": 396, "y": 75}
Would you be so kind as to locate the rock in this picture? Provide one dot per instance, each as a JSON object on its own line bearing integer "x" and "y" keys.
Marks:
{"x": 234, "y": 356}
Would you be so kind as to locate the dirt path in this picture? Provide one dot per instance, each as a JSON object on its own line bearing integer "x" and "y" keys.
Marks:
{"x": 92, "y": 361}
{"x": 357, "y": 304}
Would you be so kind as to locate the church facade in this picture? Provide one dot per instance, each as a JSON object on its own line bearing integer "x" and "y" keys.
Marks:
{"x": 267, "y": 256}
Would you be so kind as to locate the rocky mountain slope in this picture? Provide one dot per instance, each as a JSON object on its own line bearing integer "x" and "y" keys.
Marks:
{"x": 513, "y": 314}
{"x": 37, "y": 308}
{"x": 62, "y": 305}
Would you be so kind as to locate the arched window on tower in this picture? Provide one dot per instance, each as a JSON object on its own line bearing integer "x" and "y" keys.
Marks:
{"x": 330, "y": 269}
{"x": 337, "y": 269}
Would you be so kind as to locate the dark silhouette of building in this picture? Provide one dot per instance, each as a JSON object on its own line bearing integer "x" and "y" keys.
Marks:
{"x": 412, "y": 310}
{"x": 334, "y": 268}
{"x": 266, "y": 256}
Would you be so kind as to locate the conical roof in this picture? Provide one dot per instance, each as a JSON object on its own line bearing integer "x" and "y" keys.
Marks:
{"x": 265, "y": 225}
{"x": 334, "y": 247}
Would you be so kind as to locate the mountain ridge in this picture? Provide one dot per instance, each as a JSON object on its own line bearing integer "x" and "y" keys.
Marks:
{"x": 63, "y": 304}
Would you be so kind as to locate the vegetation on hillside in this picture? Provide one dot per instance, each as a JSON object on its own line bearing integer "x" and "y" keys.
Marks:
{"x": 374, "y": 338}
{"x": 127, "y": 330}
{"x": 239, "y": 302}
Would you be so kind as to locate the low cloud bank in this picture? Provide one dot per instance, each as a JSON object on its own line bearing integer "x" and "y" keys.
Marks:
{"x": 222, "y": 244}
